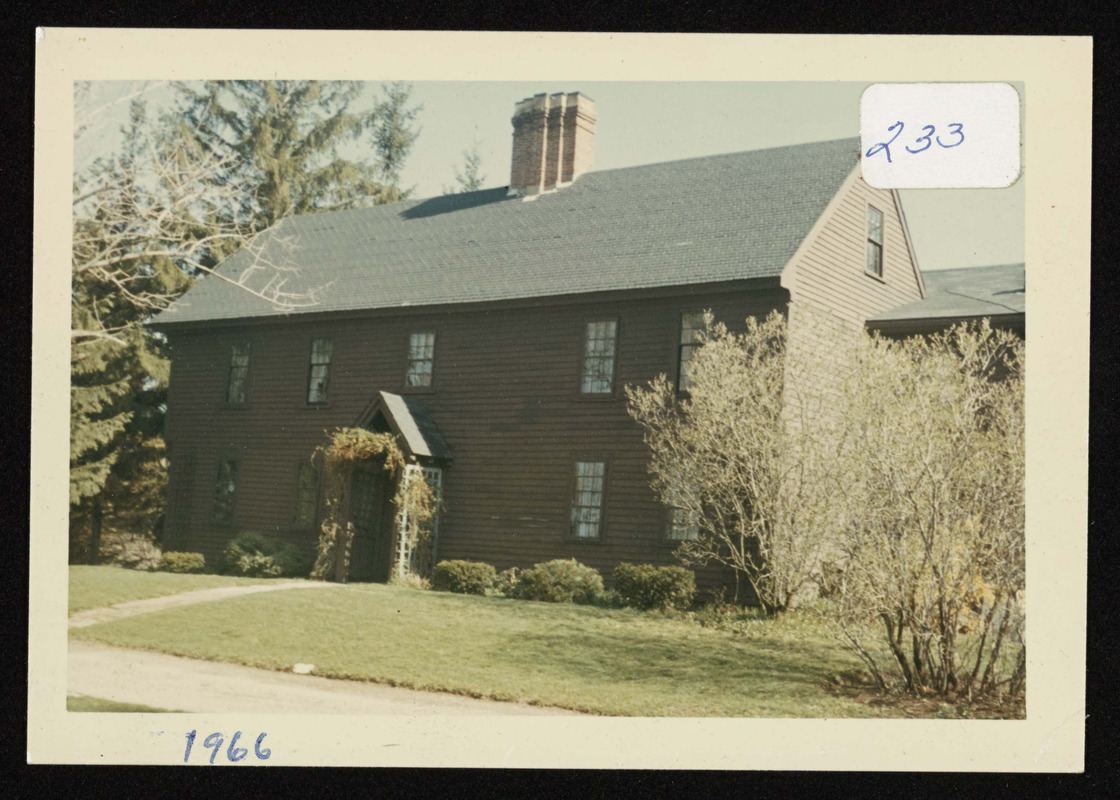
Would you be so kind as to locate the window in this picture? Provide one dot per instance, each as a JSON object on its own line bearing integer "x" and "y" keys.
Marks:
{"x": 319, "y": 378}
{"x": 692, "y": 326}
{"x": 307, "y": 495}
{"x": 225, "y": 490}
{"x": 421, "y": 357}
{"x": 237, "y": 384}
{"x": 683, "y": 525}
{"x": 598, "y": 357}
{"x": 874, "y": 241}
{"x": 587, "y": 502}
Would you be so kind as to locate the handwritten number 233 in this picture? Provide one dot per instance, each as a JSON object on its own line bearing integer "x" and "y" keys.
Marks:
{"x": 925, "y": 141}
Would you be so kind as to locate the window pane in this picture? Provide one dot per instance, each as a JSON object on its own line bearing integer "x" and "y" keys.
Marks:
{"x": 874, "y": 258}
{"x": 874, "y": 224}
{"x": 318, "y": 381}
{"x": 598, "y": 357}
{"x": 683, "y": 525}
{"x": 237, "y": 381}
{"x": 321, "y": 350}
{"x": 224, "y": 491}
{"x": 874, "y": 241}
{"x": 692, "y": 327}
{"x": 307, "y": 490}
{"x": 421, "y": 353}
{"x": 587, "y": 503}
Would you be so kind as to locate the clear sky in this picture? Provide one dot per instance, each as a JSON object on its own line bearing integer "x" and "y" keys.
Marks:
{"x": 643, "y": 123}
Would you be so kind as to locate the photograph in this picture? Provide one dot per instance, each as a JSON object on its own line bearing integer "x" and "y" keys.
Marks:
{"x": 608, "y": 405}
{"x": 577, "y": 398}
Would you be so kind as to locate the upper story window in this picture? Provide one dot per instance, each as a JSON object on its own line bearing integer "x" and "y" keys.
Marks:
{"x": 319, "y": 375}
{"x": 237, "y": 383}
{"x": 225, "y": 490}
{"x": 599, "y": 345}
{"x": 874, "y": 241}
{"x": 421, "y": 357}
{"x": 692, "y": 328}
{"x": 307, "y": 495}
{"x": 587, "y": 500}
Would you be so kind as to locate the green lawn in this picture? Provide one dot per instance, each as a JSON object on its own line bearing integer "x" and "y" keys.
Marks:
{"x": 95, "y": 587}
{"x": 81, "y": 702}
{"x": 591, "y": 659}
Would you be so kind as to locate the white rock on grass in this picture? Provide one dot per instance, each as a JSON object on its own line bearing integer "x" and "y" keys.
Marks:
{"x": 303, "y": 669}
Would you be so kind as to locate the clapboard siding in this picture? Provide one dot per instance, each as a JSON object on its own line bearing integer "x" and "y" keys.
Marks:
{"x": 505, "y": 397}
{"x": 831, "y": 293}
{"x": 829, "y": 270}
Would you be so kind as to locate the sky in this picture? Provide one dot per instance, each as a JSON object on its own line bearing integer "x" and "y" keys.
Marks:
{"x": 645, "y": 123}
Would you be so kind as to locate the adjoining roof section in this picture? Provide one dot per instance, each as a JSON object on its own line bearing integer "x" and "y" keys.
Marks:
{"x": 410, "y": 420}
{"x": 964, "y": 294}
{"x": 702, "y": 220}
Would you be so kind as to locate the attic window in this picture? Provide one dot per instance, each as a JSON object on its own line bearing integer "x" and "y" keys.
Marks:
{"x": 874, "y": 242}
{"x": 600, "y": 343}
{"x": 421, "y": 358}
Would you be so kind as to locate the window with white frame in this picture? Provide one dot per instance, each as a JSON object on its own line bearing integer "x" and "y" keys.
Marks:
{"x": 421, "y": 359}
{"x": 599, "y": 346}
{"x": 319, "y": 374}
{"x": 587, "y": 499}
{"x": 692, "y": 330}
{"x": 874, "y": 241}
{"x": 683, "y": 526}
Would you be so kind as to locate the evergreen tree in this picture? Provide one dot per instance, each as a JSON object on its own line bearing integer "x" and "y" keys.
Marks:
{"x": 184, "y": 192}
{"x": 469, "y": 179}
{"x": 285, "y": 137}
{"x": 118, "y": 370}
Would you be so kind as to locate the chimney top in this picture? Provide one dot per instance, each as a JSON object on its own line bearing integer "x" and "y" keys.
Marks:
{"x": 553, "y": 141}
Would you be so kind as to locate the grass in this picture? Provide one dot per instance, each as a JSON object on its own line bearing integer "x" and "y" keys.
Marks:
{"x": 81, "y": 702}
{"x": 604, "y": 661}
{"x": 95, "y": 587}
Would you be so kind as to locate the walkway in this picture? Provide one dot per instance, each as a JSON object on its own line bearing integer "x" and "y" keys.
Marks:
{"x": 93, "y": 616}
{"x": 186, "y": 684}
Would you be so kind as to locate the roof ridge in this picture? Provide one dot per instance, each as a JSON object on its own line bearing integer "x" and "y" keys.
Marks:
{"x": 732, "y": 154}
{"x": 982, "y": 266}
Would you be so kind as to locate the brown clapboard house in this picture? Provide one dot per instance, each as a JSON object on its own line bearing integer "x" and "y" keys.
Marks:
{"x": 494, "y": 331}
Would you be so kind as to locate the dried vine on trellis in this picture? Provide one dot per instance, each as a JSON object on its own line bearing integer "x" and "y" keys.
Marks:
{"x": 348, "y": 449}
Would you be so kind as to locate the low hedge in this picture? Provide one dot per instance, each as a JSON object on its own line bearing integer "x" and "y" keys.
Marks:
{"x": 506, "y": 582}
{"x": 463, "y": 577}
{"x": 182, "y": 562}
{"x": 647, "y": 587}
{"x": 254, "y": 555}
{"x": 559, "y": 581}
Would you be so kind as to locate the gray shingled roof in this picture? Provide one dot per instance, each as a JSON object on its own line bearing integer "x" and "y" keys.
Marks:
{"x": 965, "y": 293}
{"x": 420, "y": 433}
{"x": 699, "y": 220}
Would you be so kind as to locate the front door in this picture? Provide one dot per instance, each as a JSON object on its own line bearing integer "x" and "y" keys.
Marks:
{"x": 371, "y": 512}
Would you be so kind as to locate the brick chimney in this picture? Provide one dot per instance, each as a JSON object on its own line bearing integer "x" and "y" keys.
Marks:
{"x": 553, "y": 142}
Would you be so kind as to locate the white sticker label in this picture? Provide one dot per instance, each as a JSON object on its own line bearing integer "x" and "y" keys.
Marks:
{"x": 939, "y": 135}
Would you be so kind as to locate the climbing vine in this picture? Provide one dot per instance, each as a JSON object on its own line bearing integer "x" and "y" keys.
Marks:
{"x": 416, "y": 503}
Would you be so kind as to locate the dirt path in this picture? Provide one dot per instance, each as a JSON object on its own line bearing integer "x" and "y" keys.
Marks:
{"x": 185, "y": 684}
{"x": 131, "y": 608}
